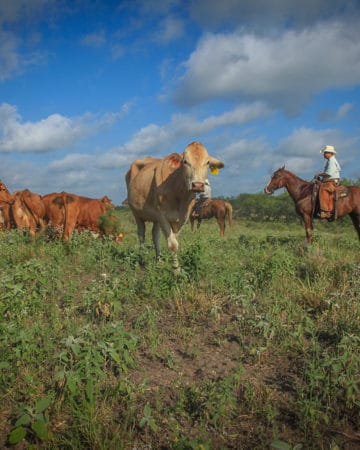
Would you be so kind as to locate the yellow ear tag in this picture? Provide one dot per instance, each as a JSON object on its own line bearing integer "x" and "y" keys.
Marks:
{"x": 214, "y": 171}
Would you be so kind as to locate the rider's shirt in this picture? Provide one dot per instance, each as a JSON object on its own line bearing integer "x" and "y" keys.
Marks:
{"x": 332, "y": 168}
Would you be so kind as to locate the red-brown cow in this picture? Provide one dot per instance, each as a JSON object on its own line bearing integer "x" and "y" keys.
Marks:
{"x": 28, "y": 211}
{"x": 83, "y": 213}
{"x": 5, "y": 203}
{"x": 55, "y": 211}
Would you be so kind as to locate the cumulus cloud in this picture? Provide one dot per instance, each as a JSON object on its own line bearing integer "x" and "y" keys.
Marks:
{"x": 70, "y": 162}
{"x": 49, "y": 134}
{"x": 341, "y": 113}
{"x": 157, "y": 140}
{"x": 300, "y": 150}
{"x": 274, "y": 68}
{"x": 170, "y": 28}
{"x": 344, "y": 110}
{"x": 260, "y": 14}
{"x": 9, "y": 58}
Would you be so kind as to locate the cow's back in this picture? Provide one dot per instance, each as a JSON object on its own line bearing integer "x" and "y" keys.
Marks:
{"x": 83, "y": 213}
{"x": 152, "y": 189}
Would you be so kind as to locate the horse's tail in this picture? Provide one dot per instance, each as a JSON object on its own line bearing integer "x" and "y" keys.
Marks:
{"x": 229, "y": 210}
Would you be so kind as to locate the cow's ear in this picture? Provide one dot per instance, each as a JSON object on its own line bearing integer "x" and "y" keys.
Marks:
{"x": 215, "y": 164}
{"x": 174, "y": 160}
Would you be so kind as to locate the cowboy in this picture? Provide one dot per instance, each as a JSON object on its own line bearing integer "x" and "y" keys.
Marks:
{"x": 201, "y": 198}
{"x": 330, "y": 179}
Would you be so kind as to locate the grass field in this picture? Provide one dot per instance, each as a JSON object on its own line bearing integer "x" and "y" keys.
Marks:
{"x": 255, "y": 346}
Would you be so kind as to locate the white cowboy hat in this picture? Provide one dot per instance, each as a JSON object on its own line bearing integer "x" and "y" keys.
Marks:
{"x": 328, "y": 149}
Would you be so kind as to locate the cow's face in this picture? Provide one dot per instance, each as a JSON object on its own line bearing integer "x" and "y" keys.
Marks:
{"x": 196, "y": 163}
{"x": 107, "y": 201}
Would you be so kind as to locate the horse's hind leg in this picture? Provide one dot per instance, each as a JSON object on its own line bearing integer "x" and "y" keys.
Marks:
{"x": 356, "y": 222}
{"x": 221, "y": 223}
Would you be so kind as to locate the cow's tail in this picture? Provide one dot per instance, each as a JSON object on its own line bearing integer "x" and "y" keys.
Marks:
{"x": 60, "y": 201}
{"x": 66, "y": 199}
{"x": 229, "y": 210}
{"x": 37, "y": 213}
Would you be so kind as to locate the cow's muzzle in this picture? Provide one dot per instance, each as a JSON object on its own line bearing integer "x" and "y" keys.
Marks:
{"x": 197, "y": 186}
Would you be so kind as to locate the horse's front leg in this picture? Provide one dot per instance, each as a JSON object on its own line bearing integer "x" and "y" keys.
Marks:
{"x": 309, "y": 228}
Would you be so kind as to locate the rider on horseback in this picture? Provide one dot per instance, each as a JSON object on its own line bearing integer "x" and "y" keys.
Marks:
{"x": 201, "y": 199}
{"x": 330, "y": 179}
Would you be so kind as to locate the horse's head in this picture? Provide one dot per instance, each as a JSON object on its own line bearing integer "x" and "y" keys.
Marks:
{"x": 277, "y": 181}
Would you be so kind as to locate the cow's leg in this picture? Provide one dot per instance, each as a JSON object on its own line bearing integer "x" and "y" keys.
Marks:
{"x": 140, "y": 232}
{"x": 172, "y": 242}
{"x": 156, "y": 239}
{"x": 140, "y": 224}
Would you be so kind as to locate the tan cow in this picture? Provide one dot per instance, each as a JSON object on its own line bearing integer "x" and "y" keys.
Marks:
{"x": 28, "y": 211}
{"x": 5, "y": 203}
{"x": 162, "y": 191}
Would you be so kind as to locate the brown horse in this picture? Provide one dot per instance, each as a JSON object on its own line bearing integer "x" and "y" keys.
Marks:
{"x": 213, "y": 208}
{"x": 301, "y": 192}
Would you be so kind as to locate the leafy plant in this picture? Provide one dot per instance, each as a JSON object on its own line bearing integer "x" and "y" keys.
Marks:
{"x": 31, "y": 420}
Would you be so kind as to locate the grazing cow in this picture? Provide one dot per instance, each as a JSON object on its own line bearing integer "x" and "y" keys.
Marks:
{"x": 5, "y": 203}
{"x": 213, "y": 208}
{"x": 28, "y": 211}
{"x": 83, "y": 213}
{"x": 162, "y": 191}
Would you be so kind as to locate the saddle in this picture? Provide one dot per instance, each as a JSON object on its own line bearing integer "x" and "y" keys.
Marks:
{"x": 340, "y": 192}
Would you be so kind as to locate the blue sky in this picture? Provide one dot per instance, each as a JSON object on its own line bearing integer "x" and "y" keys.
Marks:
{"x": 87, "y": 86}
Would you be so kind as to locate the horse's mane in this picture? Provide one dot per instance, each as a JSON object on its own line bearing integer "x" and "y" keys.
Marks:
{"x": 306, "y": 187}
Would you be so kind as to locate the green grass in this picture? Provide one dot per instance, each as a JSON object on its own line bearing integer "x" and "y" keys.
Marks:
{"x": 256, "y": 346}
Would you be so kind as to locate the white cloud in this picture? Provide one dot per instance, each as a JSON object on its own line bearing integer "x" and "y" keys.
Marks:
{"x": 300, "y": 151}
{"x": 170, "y": 29}
{"x": 49, "y": 134}
{"x": 96, "y": 39}
{"x": 286, "y": 69}
{"x": 306, "y": 142}
{"x": 9, "y": 58}
{"x": 344, "y": 110}
{"x": 262, "y": 14}
{"x": 155, "y": 137}
{"x": 70, "y": 162}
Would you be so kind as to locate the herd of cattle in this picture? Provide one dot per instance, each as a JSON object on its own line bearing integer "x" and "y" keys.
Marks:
{"x": 63, "y": 212}
{"x": 160, "y": 190}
